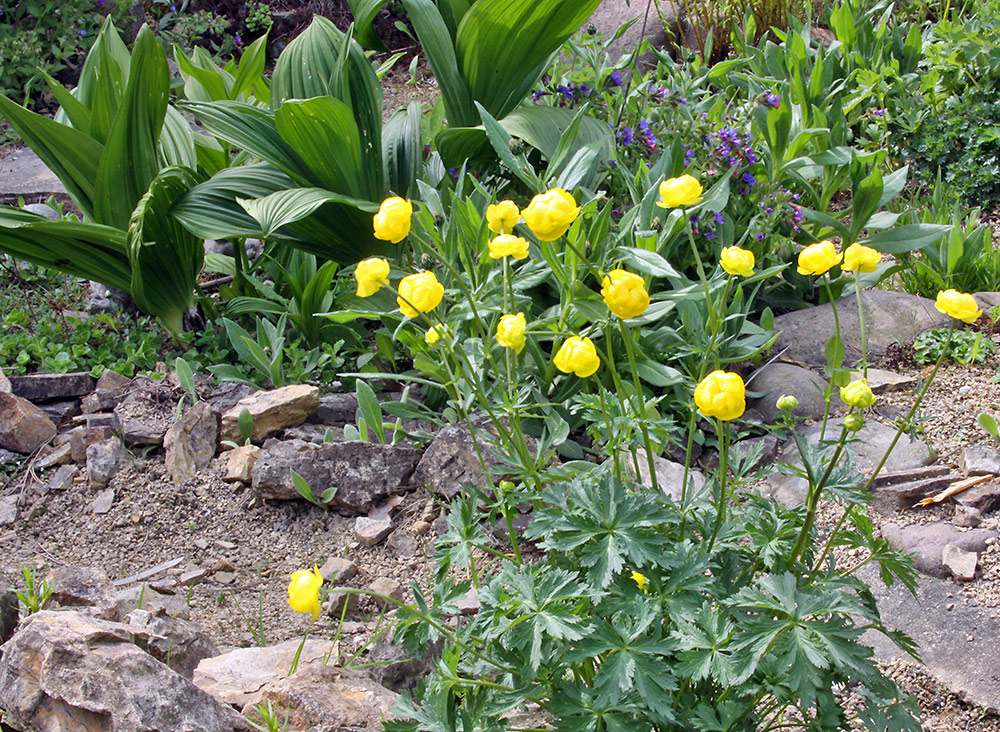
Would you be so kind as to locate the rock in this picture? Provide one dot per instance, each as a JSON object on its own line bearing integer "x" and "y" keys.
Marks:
{"x": 61, "y": 411}
{"x": 9, "y": 610}
{"x": 224, "y": 247}
{"x": 611, "y": 14}
{"x": 927, "y": 542}
{"x": 146, "y": 412}
{"x": 45, "y": 387}
{"x": 978, "y": 460}
{"x": 893, "y": 497}
{"x": 450, "y": 461}
{"x": 272, "y": 411}
{"x": 238, "y": 677}
{"x": 500, "y": 532}
{"x": 420, "y": 528}
{"x": 110, "y": 388}
{"x": 314, "y": 433}
{"x": 5, "y": 387}
{"x": 192, "y": 577}
{"x": 984, "y": 497}
{"x": 223, "y": 397}
{"x": 364, "y": 472}
{"x": 240, "y": 462}
{"x": 335, "y": 409}
{"x": 881, "y": 381}
{"x": 61, "y": 455}
{"x": 65, "y": 671}
{"x": 22, "y": 173}
{"x": 766, "y": 447}
{"x": 890, "y": 318}
{"x": 103, "y": 502}
{"x": 338, "y": 570}
{"x": 468, "y": 604}
{"x": 190, "y": 442}
{"x": 42, "y": 210}
{"x": 402, "y": 544}
{"x": 389, "y": 587}
{"x": 180, "y": 644}
{"x": 104, "y": 460}
{"x": 62, "y": 479}
{"x": 960, "y": 563}
{"x": 83, "y": 587}
{"x": 397, "y": 668}
{"x": 784, "y": 378}
{"x": 371, "y": 531}
{"x": 8, "y": 510}
{"x": 967, "y": 517}
{"x": 333, "y": 606}
{"x": 669, "y": 475}
{"x": 320, "y": 697}
{"x": 145, "y": 597}
{"x": 23, "y": 427}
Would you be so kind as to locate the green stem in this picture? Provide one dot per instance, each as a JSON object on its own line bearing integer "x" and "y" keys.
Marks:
{"x": 722, "y": 429}
{"x": 812, "y": 502}
{"x": 833, "y": 370}
{"x": 619, "y": 390}
{"x": 640, "y": 403}
{"x": 298, "y": 652}
{"x": 861, "y": 324}
{"x": 612, "y": 445}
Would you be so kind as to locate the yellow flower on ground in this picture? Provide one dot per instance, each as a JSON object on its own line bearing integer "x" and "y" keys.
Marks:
{"x": 501, "y": 217}
{"x": 721, "y": 394}
{"x": 958, "y": 305}
{"x": 625, "y": 293}
{"x": 419, "y": 293}
{"x": 640, "y": 579}
{"x": 817, "y": 259}
{"x": 550, "y": 214}
{"x": 392, "y": 222}
{"x": 510, "y": 332}
{"x": 857, "y": 394}
{"x": 683, "y": 191}
{"x": 577, "y": 356}
{"x": 508, "y": 245}
{"x": 434, "y": 334}
{"x": 303, "y": 591}
{"x": 371, "y": 275}
{"x": 737, "y": 261}
{"x": 861, "y": 258}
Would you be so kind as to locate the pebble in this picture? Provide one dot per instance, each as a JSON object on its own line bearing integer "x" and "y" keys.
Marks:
{"x": 223, "y": 565}
{"x": 192, "y": 577}
{"x": 371, "y": 531}
{"x": 103, "y": 502}
{"x": 420, "y": 528}
{"x": 388, "y": 587}
{"x": 338, "y": 570}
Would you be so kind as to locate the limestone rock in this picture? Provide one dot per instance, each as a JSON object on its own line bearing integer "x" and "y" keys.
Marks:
{"x": 881, "y": 381}
{"x": 62, "y": 479}
{"x": 8, "y": 510}
{"x": 44, "y": 387}
{"x": 103, "y": 501}
{"x": 371, "y": 531}
{"x": 23, "y": 427}
{"x": 8, "y": 612}
{"x": 104, "y": 460}
{"x": 364, "y": 472}
{"x": 53, "y": 456}
{"x": 984, "y": 497}
{"x": 272, "y": 411}
{"x": 152, "y": 601}
{"x": 190, "y": 442}
{"x": 402, "y": 544}
{"x": 784, "y": 378}
{"x": 450, "y": 461}
{"x": 338, "y": 570}
{"x": 223, "y": 397}
{"x": 335, "y": 409}
{"x": 60, "y": 411}
{"x": 65, "y": 671}
{"x": 960, "y": 563}
{"x": 397, "y": 668}
{"x": 927, "y": 542}
{"x": 669, "y": 475}
{"x": 240, "y": 462}
{"x": 468, "y": 604}
{"x": 979, "y": 460}
{"x": 390, "y": 588}
{"x": 147, "y": 411}
{"x": 82, "y": 437}
{"x": 180, "y": 644}
{"x": 83, "y": 587}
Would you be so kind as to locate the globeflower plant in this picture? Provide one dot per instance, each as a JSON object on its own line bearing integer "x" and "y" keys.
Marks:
{"x": 550, "y": 214}
{"x": 303, "y": 591}
{"x": 371, "y": 275}
{"x": 577, "y": 356}
{"x": 507, "y": 245}
{"x": 958, "y": 305}
{"x": 683, "y": 191}
{"x": 625, "y": 293}
{"x": 419, "y": 293}
{"x": 737, "y": 262}
{"x": 392, "y": 222}
{"x": 721, "y": 395}
{"x": 861, "y": 258}
{"x": 818, "y": 259}
{"x": 502, "y": 217}
{"x": 510, "y": 332}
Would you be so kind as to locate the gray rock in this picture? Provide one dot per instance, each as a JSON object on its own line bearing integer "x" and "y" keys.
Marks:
{"x": 272, "y": 411}
{"x": 979, "y": 460}
{"x": 192, "y": 577}
{"x": 611, "y": 14}
{"x": 967, "y": 517}
{"x": 223, "y": 397}
{"x": 190, "y": 442}
{"x": 338, "y": 570}
{"x": 984, "y": 497}
{"x": 883, "y": 382}
{"x": 669, "y": 475}
{"x": 784, "y": 378}
{"x": 23, "y": 427}
{"x": 402, "y": 544}
{"x": 65, "y": 671}
{"x": 82, "y": 437}
{"x": 52, "y": 456}
{"x": 61, "y": 411}
{"x": 927, "y": 542}
{"x": 86, "y": 588}
{"x": 44, "y": 387}
{"x": 145, "y": 597}
{"x": 42, "y": 210}
{"x": 62, "y": 479}
{"x": 223, "y": 247}
{"x": 146, "y": 412}
{"x": 468, "y": 604}
{"x": 104, "y": 460}
{"x": 450, "y": 461}
{"x": 371, "y": 531}
{"x": 8, "y": 510}
{"x": 9, "y": 610}
{"x": 314, "y": 433}
{"x": 22, "y": 173}
{"x": 103, "y": 502}
{"x": 335, "y": 409}
{"x": 961, "y": 564}
{"x": 180, "y": 644}
{"x": 396, "y": 667}
{"x": 363, "y": 472}
{"x": 110, "y": 388}
{"x": 388, "y": 587}
{"x": 4, "y": 383}
{"x": 890, "y": 317}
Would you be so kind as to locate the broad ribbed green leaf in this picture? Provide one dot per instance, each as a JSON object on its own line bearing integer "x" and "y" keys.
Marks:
{"x": 453, "y": 11}
{"x": 89, "y": 251}
{"x": 109, "y": 42}
{"x": 307, "y": 64}
{"x": 907, "y": 238}
{"x": 69, "y": 153}
{"x": 286, "y": 207}
{"x": 129, "y": 162}
{"x": 74, "y": 112}
{"x": 166, "y": 258}
{"x": 402, "y": 150}
{"x": 251, "y": 68}
{"x": 202, "y": 84}
{"x": 364, "y": 12}
{"x": 176, "y": 145}
{"x": 502, "y": 46}
{"x": 326, "y": 136}
{"x": 109, "y": 80}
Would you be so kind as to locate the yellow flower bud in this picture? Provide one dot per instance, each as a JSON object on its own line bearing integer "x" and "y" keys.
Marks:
{"x": 501, "y": 217}
{"x": 683, "y": 191}
{"x": 392, "y": 222}
{"x": 854, "y": 422}
{"x": 578, "y": 356}
{"x": 419, "y": 293}
{"x": 817, "y": 259}
{"x": 625, "y": 293}
{"x": 737, "y": 261}
{"x": 507, "y": 245}
{"x": 550, "y": 214}
{"x": 857, "y": 394}
{"x": 861, "y": 258}
{"x": 640, "y": 579}
{"x": 371, "y": 275}
{"x": 787, "y": 402}
{"x": 434, "y": 334}
{"x": 510, "y": 332}
{"x": 958, "y": 305}
{"x": 722, "y": 395}
{"x": 303, "y": 591}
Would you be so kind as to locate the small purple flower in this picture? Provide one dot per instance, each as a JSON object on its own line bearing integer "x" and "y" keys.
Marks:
{"x": 82, "y": 32}
{"x": 720, "y": 219}
{"x": 626, "y": 135}
{"x": 585, "y": 90}
{"x": 173, "y": 8}
{"x": 773, "y": 100}
{"x": 749, "y": 179}
{"x": 688, "y": 154}
{"x": 796, "y": 196}
{"x": 615, "y": 78}
{"x": 427, "y": 149}
{"x": 769, "y": 210}
{"x": 684, "y": 100}
{"x": 616, "y": 213}
{"x": 694, "y": 218}
{"x": 239, "y": 41}
{"x": 709, "y": 235}
{"x": 878, "y": 112}
{"x": 453, "y": 172}
{"x": 760, "y": 236}
{"x": 644, "y": 125}
{"x": 613, "y": 163}
{"x": 565, "y": 91}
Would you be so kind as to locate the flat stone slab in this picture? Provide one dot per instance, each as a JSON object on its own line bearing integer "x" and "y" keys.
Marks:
{"x": 958, "y": 646}
{"x": 23, "y": 174}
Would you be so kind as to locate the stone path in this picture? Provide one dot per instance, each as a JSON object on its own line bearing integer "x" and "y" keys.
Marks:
{"x": 23, "y": 175}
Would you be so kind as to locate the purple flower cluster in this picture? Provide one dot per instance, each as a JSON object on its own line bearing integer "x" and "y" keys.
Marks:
{"x": 733, "y": 150}
{"x": 645, "y": 137}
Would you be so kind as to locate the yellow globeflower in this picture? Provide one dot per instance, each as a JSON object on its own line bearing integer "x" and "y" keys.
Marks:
{"x": 857, "y": 394}
{"x": 434, "y": 334}
{"x": 419, "y": 293}
{"x": 737, "y": 261}
{"x": 958, "y": 305}
{"x": 510, "y": 332}
{"x": 303, "y": 591}
{"x": 550, "y": 214}
{"x": 371, "y": 275}
{"x": 640, "y": 579}
{"x": 817, "y": 259}
{"x": 625, "y": 293}
{"x": 577, "y": 356}
{"x": 683, "y": 191}
{"x": 392, "y": 222}
{"x": 722, "y": 395}
{"x": 861, "y": 258}
{"x": 508, "y": 245}
{"x": 501, "y": 217}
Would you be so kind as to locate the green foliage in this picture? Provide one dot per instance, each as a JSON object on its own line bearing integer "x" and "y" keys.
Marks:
{"x": 966, "y": 346}
{"x": 36, "y": 592}
{"x": 303, "y": 488}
